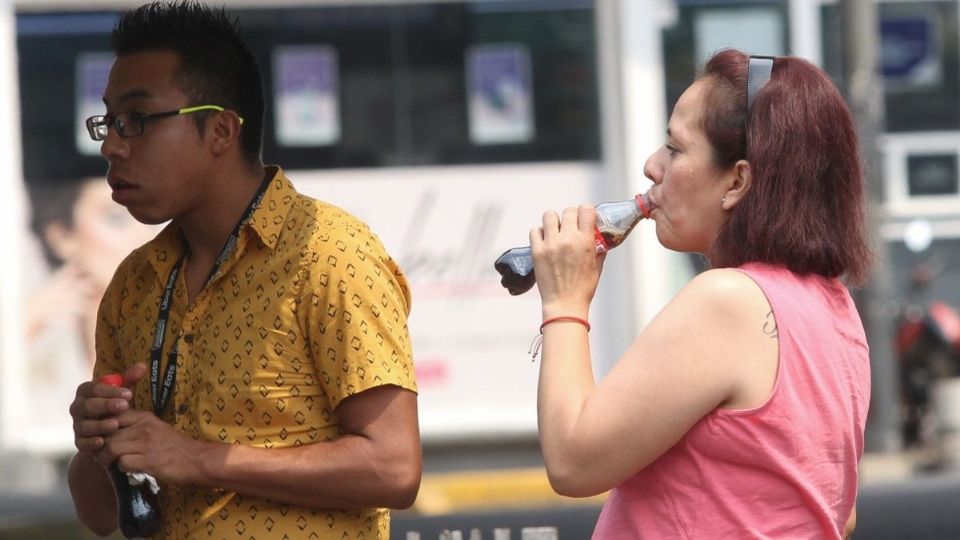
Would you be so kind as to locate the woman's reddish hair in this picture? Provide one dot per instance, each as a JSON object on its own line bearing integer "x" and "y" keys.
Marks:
{"x": 806, "y": 205}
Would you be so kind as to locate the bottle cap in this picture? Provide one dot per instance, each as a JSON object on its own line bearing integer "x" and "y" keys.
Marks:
{"x": 112, "y": 379}
{"x": 644, "y": 204}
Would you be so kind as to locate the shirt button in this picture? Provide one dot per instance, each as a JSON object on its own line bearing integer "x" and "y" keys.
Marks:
{"x": 183, "y": 408}
{"x": 188, "y": 338}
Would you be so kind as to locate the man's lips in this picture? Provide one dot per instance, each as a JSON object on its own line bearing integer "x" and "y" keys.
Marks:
{"x": 118, "y": 183}
{"x": 122, "y": 192}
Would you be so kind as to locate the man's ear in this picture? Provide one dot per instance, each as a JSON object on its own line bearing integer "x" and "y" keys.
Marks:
{"x": 739, "y": 184}
{"x": 226, "y": 126}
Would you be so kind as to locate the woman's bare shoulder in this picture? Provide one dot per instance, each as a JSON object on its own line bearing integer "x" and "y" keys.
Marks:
{"x": 723, "y": 292}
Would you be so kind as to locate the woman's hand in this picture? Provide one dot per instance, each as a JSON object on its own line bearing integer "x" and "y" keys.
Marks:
{"x": 565, "y": 257}
{"x": 65, "y": 296}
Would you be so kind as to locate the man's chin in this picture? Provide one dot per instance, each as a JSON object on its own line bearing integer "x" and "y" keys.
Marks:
{"x": 146, "y": 218}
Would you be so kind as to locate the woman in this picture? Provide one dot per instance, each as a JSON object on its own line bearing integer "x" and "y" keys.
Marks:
{"x": 739, "y": 411}
{"x": 84, "y": 235}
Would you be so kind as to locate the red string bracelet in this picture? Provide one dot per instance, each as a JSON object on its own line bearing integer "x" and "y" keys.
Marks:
{"x": 538, "y": 339}
{"x": 565, "y": 318}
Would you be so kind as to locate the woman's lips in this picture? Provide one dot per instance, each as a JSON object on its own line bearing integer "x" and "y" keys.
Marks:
{"x": 651, "y": 201}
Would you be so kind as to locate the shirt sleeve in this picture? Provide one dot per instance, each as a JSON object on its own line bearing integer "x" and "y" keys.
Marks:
{"x": 354, "y": 310}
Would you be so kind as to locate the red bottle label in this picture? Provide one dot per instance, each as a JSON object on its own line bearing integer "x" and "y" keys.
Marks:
{"x": 602, "y": 246}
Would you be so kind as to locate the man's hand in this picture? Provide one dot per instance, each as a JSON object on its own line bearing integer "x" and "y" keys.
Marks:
{"x": 95, "y": 413}
{"x": 145, "y": 443}
{"x": 96, "y": 406}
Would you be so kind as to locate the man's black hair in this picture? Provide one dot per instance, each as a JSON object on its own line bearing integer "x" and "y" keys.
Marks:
{"x": 216, "y": 66}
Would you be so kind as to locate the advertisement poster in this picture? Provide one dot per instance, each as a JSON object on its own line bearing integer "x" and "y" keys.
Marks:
{"x": 445, "y": 226}
{"x": 499, "y": 94}
{"x": 92, "y": 72}
{"x": 306, "y": 95}
{"x": 78, "y": 237}
{"x": 910, "y": 52}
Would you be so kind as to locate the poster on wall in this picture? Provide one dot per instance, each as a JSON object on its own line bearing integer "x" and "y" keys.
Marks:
{"x": 911, "y": 58}
{"x": 445, "y": 226}
{"x": 306, "y": 95}
{"x": 499, "y": 94}
{"x": 79, "y": 236}
{"x": 91, "y": 80}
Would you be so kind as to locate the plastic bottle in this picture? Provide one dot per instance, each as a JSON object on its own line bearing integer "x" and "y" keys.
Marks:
{"x": 615, "y": 220}
{"x": 138, "y": 513}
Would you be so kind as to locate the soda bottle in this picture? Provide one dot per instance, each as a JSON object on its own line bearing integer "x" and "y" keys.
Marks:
{"x": 138, "y": 513}
{"x": 615, "y": 220}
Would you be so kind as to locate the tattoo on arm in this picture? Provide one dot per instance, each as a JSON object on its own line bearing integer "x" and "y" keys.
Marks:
{"x": 770, "y": 326}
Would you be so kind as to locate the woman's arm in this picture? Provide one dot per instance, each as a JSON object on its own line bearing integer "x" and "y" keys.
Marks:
{"x": 851, "y": 524}
{"x": 705, "y": 350}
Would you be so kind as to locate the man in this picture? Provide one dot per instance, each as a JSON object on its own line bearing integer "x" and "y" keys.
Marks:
{"x": 279, "y": 401}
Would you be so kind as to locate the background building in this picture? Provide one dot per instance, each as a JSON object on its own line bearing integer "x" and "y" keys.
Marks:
{"x": 450, "y": 126}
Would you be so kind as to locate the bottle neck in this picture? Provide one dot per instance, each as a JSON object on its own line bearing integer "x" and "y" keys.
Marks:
{"x": 616, "y": 220}
{"x": 642, "y": 201}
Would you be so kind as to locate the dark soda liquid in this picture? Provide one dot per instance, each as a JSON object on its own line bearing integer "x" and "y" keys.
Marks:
{"x": 516, "y": 270}
{"x": 137, "y": 512}
{"x": 612, "y": 239}
{"x": 615, "y": 220}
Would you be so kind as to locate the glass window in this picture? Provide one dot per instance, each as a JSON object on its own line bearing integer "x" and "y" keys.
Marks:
{"x": 702, "y": 28}
{"x": 932, "y": 174}
{"x": 919, "y": 60}
{"x": 393, "y": 88}
{"x": 56, "y": 55}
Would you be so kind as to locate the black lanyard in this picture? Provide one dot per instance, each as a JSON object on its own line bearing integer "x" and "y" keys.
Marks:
{"x": 162, "y": 395}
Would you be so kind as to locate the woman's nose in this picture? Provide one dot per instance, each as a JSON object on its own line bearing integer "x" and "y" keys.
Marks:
{"x": 652, "y": 168}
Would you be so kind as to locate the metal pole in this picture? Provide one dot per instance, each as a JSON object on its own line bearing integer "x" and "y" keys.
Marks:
{"x": 13, "y": 218}
{"x": 864, "y": 90}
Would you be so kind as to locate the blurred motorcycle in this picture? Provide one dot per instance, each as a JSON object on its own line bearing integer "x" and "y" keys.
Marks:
{"x": 928, "y": 349}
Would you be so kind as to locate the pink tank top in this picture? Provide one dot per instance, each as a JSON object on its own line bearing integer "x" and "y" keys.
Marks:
{"x": 786, "y": 469}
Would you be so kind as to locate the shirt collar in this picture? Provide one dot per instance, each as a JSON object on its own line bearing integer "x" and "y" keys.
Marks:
{"x": 268, "y": 218}
{"x": 267, "y": 221}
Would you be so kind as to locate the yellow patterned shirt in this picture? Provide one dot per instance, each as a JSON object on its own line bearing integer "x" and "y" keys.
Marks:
{"x": 308, "y": 310}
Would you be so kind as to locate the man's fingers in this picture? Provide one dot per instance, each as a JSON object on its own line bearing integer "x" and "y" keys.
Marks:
{"x": 133, "y": 416}
{"x": 89, "y": 445}
{"x": 134, "y": 374}
{"x": 98, "y": 407}
{"x": 101, "y": 390}
{"x": 96, "y": 428}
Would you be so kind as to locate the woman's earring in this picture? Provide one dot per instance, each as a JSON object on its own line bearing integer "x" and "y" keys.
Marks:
{"x": 723, "y": 200}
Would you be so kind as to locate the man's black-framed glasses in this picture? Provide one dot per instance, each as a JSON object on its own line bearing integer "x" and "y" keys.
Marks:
{"x": 130, "y": 124}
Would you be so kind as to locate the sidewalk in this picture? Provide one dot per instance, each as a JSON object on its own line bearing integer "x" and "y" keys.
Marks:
{"x": 903, "y": 466}
{"x": 528, "y": 487}
{"x": 902, "y": 495}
